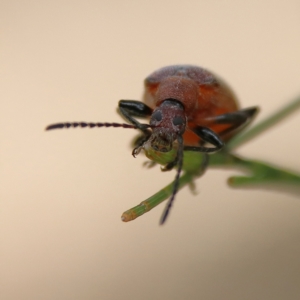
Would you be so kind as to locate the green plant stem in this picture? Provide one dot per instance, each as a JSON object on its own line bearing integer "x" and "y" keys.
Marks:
{"x": 155, "y": 200}
{"x": 260, "y": 173}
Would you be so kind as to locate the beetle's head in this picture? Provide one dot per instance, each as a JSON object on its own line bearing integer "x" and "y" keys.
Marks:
{"x": 167, "y": 121}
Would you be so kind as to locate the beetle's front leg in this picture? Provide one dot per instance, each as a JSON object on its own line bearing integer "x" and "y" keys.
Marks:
{"x": 236, "y": 120}
{"x": 129, "y": 109}
{"x": 169, "y": 166}
{"x": 209, "y": 136}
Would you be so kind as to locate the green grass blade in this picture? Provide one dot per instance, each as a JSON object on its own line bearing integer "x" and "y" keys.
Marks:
{"x": 155, "y": 200}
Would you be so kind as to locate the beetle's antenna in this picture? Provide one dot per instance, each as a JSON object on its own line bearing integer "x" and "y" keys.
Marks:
{"x": 176, "y": 181}
{"x": 92, "y": 125}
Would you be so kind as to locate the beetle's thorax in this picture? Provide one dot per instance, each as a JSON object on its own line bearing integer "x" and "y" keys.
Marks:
{"x": 168, "y": 121}
{"x": 183, "y": 89}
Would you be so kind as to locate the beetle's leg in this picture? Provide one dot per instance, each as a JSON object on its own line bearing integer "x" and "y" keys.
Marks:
{"x": 170, "y": 165}
{"x": 234, "y": 119}
{"x": 129, "y": 109}
{"x": 209, "y": 136}
{"x": 204, "y": 164}
{"x": 149, "y": 164}
{"x": 200, "y": 172}
{"x": 140, "y": 139}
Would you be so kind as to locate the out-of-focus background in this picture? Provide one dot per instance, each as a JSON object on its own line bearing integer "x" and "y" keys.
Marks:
{"x": 63, "y": 192}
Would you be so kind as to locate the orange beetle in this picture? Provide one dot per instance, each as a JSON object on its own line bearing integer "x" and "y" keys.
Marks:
{"x": 187, "y": 104}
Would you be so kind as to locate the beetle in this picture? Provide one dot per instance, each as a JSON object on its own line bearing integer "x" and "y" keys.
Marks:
{"x": 186, "y": 105}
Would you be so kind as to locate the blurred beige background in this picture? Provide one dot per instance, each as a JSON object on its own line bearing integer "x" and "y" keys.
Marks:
{"x": 63, "y": 192}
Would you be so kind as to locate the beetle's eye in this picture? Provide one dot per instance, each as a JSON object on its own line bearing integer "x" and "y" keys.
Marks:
{"x": 178, "y": 120}
{"x": 157, "y": 116}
